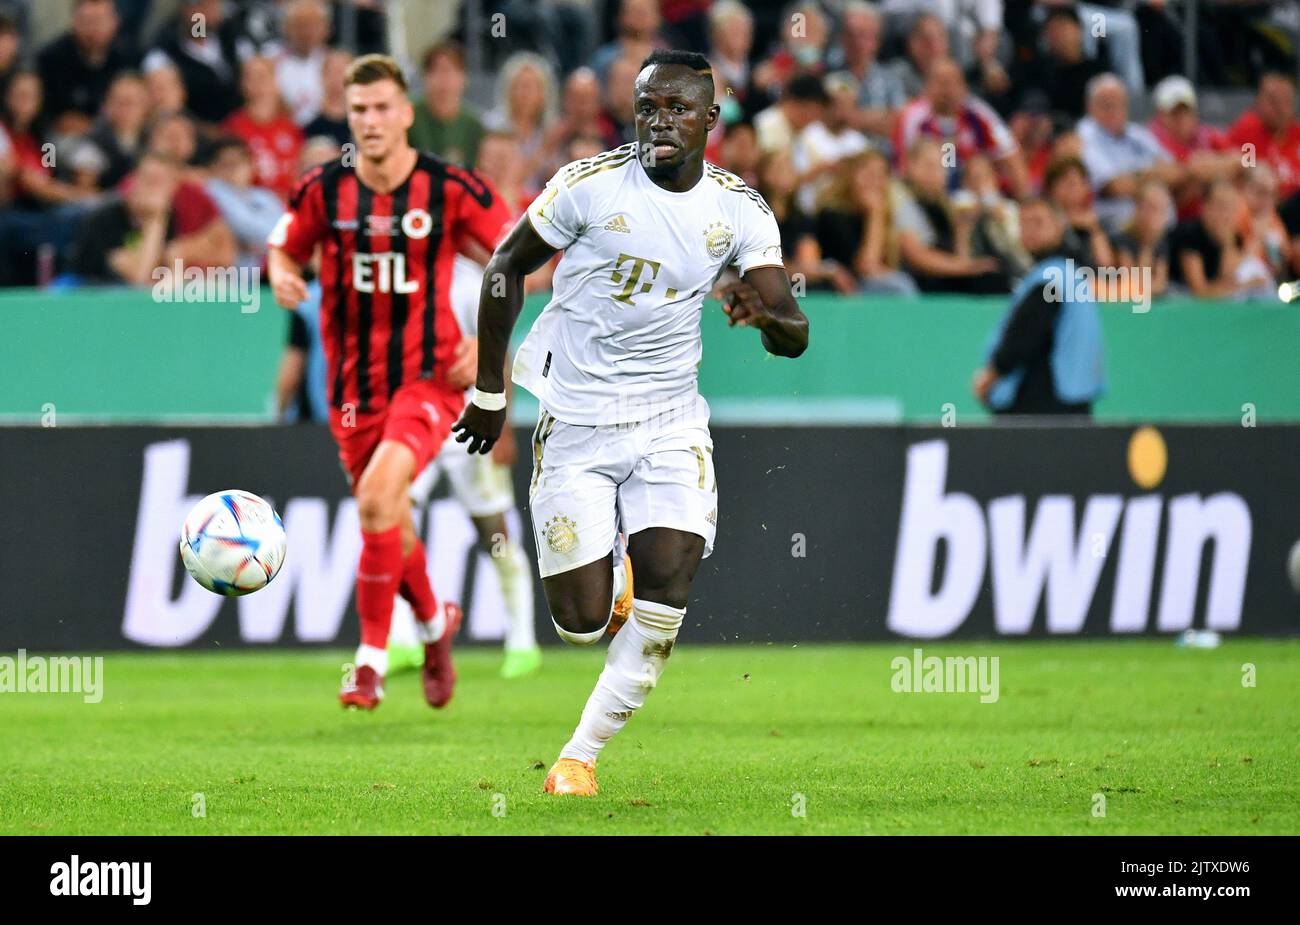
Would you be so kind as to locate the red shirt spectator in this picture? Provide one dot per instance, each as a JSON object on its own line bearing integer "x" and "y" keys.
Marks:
{"x": 1272, "y": 131}
{"x": 275, "y": 146}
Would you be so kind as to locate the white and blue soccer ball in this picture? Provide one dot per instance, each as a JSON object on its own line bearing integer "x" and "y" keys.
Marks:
{"x": 233, "y": 543}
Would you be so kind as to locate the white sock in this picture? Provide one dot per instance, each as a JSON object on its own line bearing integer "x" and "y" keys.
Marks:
{"x": 633, "y": 664}
{"x": 516, "y": 577}
{"x": 376, "y": 658}
{"x": 432, "y": 630}
{"x": 402, "y": 631}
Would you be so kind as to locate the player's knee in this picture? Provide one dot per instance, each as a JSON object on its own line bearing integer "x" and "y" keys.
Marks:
{"x": 664, "y": 582}
{"x": 577, "y": 625}
{"x": 377, "y": 507}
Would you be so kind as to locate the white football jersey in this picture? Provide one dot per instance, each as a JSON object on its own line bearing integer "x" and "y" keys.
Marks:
{"x": 620, "y": 339}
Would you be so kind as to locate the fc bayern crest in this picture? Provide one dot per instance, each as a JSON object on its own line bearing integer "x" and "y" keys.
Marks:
{"x": 718, "y": 238}
{"x": 417, "y": 223}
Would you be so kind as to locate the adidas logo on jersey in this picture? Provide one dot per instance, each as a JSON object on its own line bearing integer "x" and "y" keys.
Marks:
{"x": 618, "y": 223}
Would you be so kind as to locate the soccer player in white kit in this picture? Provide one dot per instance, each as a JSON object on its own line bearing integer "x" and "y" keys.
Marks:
{"x": 482, "y": 486}
{"x": 622, "y": 442}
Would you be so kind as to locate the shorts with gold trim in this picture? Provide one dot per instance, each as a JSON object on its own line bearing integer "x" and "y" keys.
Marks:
{"x": 592, "y": 482}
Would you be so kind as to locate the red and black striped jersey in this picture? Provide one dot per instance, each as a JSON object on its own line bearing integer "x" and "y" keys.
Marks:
{"x": 385, "y": 270}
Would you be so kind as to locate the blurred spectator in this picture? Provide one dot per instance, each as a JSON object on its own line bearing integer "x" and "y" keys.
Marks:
{"x": 1145, "y": 242}
{"x": 947, "y": 114}
{"x": 1047, "y": 355}
{"x": 799, "y": 244}
{"x": 1208, "y": 256}
{"x": 267, "y": 128}
{"x": 880, "y": 91}
{"x": 927, "y": 42}
{"x": 525, "y": 108}
{"x": 318, "y": 149}
{"x": 620, "y": 87}
{"x": 1269, "y": 133}
{"x": 583, "y": 147}
{"x": 1031, "y": 126}
{"x": 205, "y": 56}
{"x": 801, "y": 50}
{"x": 638, "y": 35}
{"x": 78, "y": 66}
{"x": 34, "y": 186}
{"x": 580, "y": 115}
{"x": 855, "y": 225}
{"x": 997, "y": 229}
{"x": 741, "y": 153}
{"x": 803, "y": 104}
{"x": 1118, "y": 153}
{"x": 1062, "y": 73}
{"x": 332, "y": 120}
{"x": 822, "y": 145}
{"x": 1205, "y": 153}
{"x": 1263, "y": 234}
{"x": 731, "y": 38}
{"x": 119, "y": 133}
{"x": 175, "y": 136}
{"x": 499, "y": 160}
{"x": 934, "y": 238}
{"x": 1119, "y": 29}
{"x": 1066, "y": 187}
{"x": 166, "y": 89}
{"x": 9, "y": 47}
{"x": 298, "y": 66}
{"x": 250, "y": 211}
{"x": 443, "y": 124}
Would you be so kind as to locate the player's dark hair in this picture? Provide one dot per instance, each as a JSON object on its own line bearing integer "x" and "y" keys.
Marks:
{"x": 691, "y": 59}
{"x": 371, "y": 69}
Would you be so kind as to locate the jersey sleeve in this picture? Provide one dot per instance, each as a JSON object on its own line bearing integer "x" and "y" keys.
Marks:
{"x": 303, "y": 226}
{"x": 478, "y": 211}
{"x": 758, "y": 239}
{"x": 556, "y": 214}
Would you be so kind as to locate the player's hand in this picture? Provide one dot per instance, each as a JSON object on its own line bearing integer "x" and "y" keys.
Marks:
{"x": 480, "y": 429}
{"x": 982, "y": 383}
{"x": 741, "y": 303}
{"x": 289, "y": 290}
{"x": 506, "y": 450}
{"x": 464, "y": 367}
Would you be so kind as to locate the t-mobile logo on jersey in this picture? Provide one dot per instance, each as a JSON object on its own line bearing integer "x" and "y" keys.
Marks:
{"x": 384, "y": 272}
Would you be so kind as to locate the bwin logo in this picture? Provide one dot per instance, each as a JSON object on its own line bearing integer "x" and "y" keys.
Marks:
{"x": 103, "y": 878}
{"x": 1050, "y": 555}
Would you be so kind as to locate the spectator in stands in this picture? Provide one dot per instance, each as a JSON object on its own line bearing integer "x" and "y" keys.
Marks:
{"x": 1270, "y": 133}
{"x": 620, "y": 83}
{"x": 499, "y": 160}
{"x": 731, "y": 38}
{"x": 525, "y": 109}
{"x": 638, "y": 35}
{"x": 267, "y": 128}
{"x": 119, "y": 133}
{"x": 1145, "y": 242}
{"x": 1062, "y": 73}
{"x": 741, "y": 153}
{"x": 332, "y": 120}
{"x": 35, "y": 187}
{"x": 1031, "y": 126}
{"x": 444, "y": 125}
{"x": 1119, "y": 30}
{"x": 176, "y": 136}
{"x": 166, "y": 89}
{"x": 583, "y": 147}
{"x": 298, "y": 66}
{"x": 880, "y": 91}
{"x": 946, "y": 113}
{"x": 972, "y": 29}
{"x": 1205, "y": 153}
{"x": 580, "y": 114}
{"x": 803, "y": 104}
{"x": 800, "y": 246}
{"x": 1067, "y": 188}
{"x": 927, "y": 42}
{"x": 9, "y": 48}
{"x": 208, "y": 62}
{"x": 1263, "y": 234}
{"x": 1208, "y": 256}
{"x": 804, "y": 36}
{"x": 823, "y": 144}
{"x": 77, "y": 67}
{"x": 935, "y": 240}
{"x": 855, "y": 225}
{"x": 1047, "y": 357}
{"x": 1119, "y": 154}
{"x": 997, "y": 228}
{"x": 250, "y": 211}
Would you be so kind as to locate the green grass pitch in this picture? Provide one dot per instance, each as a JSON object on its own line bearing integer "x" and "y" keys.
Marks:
{"x": 735, "y": 739}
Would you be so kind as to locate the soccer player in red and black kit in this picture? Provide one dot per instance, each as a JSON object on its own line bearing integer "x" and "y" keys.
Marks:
{"x": 388, "y": 222}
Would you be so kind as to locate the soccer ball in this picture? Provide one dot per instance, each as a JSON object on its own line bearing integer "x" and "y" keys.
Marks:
{"x": 233, "y": 543}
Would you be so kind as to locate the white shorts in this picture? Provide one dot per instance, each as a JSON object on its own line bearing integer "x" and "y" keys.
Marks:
{"x": 591, "y": 482}
{"x": 481, "y": 486}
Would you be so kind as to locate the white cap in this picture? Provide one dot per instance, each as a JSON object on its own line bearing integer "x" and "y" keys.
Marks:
{"x": 1174, "y": 91}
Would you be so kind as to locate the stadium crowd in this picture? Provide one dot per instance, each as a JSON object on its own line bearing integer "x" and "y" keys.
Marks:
{"x": 896, "y": 142}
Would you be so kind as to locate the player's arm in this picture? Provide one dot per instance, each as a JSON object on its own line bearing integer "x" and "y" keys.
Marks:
{"x": 500, "y": 301}
{"x": 763, "y": 300}
{"x": 294, "y": 239}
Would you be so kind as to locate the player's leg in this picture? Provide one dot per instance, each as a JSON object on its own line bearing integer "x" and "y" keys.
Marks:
{"x": 515, "y": 576}
{"x": 405, "y": 646}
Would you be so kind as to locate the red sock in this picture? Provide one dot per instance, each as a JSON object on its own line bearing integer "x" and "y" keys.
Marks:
{"x": 378, "y": 577}
{"x": 415, "y": 584}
